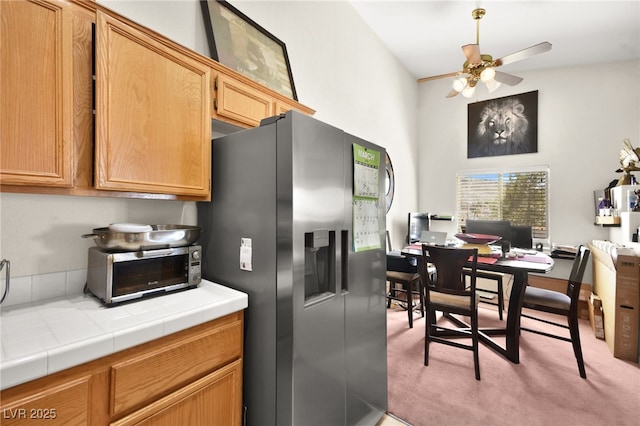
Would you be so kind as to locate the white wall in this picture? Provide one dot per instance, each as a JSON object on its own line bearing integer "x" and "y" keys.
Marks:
{"x": 583, "y": 115}
{"x": 352, "y": 81}
{"x": 340, "y": 69}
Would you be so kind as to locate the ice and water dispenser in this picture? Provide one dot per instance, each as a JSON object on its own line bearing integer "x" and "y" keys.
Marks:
{"x": 321, "y": 254}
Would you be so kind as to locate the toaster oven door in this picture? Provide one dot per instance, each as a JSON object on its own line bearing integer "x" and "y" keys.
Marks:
{"x": 147, "y": 274}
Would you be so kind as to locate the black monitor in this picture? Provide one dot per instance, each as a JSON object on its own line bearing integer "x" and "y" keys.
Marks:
{"x": 521, "y": 236}
{"x": 418, "y": 222}
{"x": 502, "y": 228}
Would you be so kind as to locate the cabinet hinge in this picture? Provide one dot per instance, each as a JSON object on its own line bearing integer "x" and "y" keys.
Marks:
{"x": 215, "y": 104}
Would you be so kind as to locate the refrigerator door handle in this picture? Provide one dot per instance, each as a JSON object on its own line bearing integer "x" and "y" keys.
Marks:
{"x": 344, "y": 261}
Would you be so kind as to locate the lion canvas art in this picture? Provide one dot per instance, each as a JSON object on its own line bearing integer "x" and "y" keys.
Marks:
{"x": 503, "y": 126}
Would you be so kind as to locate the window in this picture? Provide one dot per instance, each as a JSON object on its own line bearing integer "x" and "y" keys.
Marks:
{"x": 518, "y": 196}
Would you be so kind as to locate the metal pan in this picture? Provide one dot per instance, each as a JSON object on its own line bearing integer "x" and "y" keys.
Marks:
{"x": 162, "y": 236}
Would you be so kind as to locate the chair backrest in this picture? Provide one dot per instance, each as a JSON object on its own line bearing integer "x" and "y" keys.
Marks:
{"x": 577, "y": 272}
{"x": 449, "y": 263}
{"x": 501, "y": 228}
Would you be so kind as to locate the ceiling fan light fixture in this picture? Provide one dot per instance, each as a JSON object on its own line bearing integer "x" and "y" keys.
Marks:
{"x": 481, "y": 67}
{"x": 487, "y": 74}
{"x": 459, "y": 84}
{"x": 492, "y": 85}
{"x": 468, "y": 91}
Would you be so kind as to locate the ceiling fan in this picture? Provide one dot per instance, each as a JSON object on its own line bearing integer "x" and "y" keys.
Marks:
{"x": 481, "y": 67}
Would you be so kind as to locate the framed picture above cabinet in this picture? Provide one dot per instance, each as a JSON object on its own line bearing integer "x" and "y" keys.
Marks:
{"x": 239, "y": 43}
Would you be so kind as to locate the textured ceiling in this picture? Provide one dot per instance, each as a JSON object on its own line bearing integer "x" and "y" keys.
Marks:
{"x": 426, "y": 36}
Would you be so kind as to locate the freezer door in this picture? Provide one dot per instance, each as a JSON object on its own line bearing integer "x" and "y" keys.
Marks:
{"x": 318, "y": 235}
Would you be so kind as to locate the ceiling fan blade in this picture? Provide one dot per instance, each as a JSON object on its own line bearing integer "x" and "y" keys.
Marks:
{"x": 436, "y": 77}
{"x": 452, "y": 94}
{"x": 524, "y": 53}
{"x": 509, "y": 79}
{"x": 472, "y": 52}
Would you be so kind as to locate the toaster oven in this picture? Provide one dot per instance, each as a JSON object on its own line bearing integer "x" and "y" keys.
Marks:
{"x": 117, "y": 277}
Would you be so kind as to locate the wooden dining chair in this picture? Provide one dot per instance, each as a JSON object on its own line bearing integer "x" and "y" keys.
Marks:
{"x": 564, "y": 304}
{"x": 446, "y": 292}
{"x": 499, "y": 291}
{"x": 405, "y": 284}
{"x": 503, "y": 229}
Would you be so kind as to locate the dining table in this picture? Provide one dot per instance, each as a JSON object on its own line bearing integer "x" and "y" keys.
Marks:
{"x": 519, "y": 263}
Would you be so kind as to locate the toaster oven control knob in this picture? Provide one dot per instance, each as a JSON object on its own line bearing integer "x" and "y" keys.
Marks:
{"x": 196, "y": 255}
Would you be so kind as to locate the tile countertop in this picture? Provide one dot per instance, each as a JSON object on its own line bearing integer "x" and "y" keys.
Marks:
{"x": 45, "y": 337}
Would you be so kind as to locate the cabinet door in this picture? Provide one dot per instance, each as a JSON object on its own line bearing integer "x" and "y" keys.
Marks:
{"x": 216, "y": 399}
{"x": 65, "y": 404}
{"x": 153, "y": 116}
{"x": 36, "y": 90}
{"x": 147, "y": 376}
{"x": 240, "y": 102}
{"x": 282, "y": 107}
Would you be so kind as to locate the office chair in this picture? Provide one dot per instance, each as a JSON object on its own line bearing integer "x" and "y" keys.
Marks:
{"x": 564, "y": 304}
{"x": 448, "y": 293}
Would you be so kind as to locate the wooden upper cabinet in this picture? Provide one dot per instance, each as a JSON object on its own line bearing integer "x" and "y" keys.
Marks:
{"x": 118, "y": 110}
{"x": 153, "y": 120}
{"x": 36, "y": 93}
{"x": 246, "y": 104}
{"x": 240, "y": 102}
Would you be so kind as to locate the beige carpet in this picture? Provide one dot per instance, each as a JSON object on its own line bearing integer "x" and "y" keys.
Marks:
{"x": 544, "y": 389}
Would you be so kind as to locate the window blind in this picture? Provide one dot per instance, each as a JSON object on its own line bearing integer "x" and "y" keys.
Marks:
{"x": 518, "y": 196}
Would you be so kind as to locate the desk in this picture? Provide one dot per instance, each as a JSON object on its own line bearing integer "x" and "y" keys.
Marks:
{"x": 519, "y": 268}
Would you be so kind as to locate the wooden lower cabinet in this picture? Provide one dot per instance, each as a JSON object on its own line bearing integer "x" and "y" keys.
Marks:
{"x": 193, "y": 377}
{"x": 64, "y": 404}
{"x": 215, "y": 399}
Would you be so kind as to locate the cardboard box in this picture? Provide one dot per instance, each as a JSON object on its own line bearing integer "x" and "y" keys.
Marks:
{"x": 618, "y": 286}
{"x": 583, "y": 301}
{"x": 595, "y": 316}
{"x": 627, "y": 306}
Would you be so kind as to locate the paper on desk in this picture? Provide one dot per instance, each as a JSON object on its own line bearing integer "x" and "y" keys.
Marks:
{"x": 535, "y": 259}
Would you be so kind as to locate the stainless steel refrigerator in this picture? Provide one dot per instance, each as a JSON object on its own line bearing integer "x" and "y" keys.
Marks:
{"x": 280, "y": 227}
